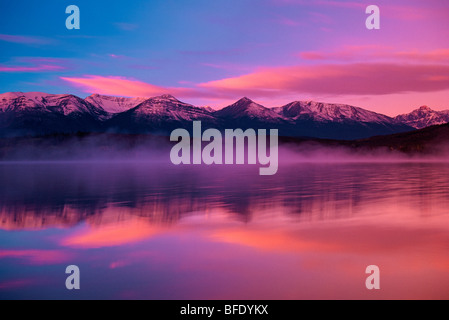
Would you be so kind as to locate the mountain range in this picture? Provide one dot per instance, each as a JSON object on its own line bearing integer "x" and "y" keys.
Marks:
{"x": 34, "y": 113}
{"x": 424, "y": 117}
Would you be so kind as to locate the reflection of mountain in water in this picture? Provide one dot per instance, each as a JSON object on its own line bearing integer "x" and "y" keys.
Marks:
{"x": 63, "y": 195}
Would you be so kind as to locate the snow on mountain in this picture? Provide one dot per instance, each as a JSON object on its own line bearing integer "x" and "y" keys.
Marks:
{"x": 18, "y": 100}
{"x": 317, "y": 111}
{"x": 246, "y": 108}
{"x": 169, "y": 108}
{"x": 34, "y": 102}
{"x": 42, "y": 113}
{"x": 160, "y": 115}
{"x": 36, "y": 113}
{"x": 424, "y": 117}
{"x": 114, "y": 105}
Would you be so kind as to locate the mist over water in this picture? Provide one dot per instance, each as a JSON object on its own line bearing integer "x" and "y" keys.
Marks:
{"x": 156, "y": 149}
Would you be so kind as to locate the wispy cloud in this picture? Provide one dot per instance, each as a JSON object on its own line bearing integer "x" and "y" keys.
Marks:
{"x": 116, "y": 56}
{"x": 35, "y": 65}
{"x": 126, "y": 26}
{"x": 24, "y": 39}
{"x": 39, "y": 68}
{"x": 24, "y": 65}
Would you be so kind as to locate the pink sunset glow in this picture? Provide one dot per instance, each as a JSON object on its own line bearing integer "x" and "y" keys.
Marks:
{"x": 121, "y": 86}
{"x": 116, "y": 86}
{"x": 274, "y": 53}
{"x": 357, "y": 79}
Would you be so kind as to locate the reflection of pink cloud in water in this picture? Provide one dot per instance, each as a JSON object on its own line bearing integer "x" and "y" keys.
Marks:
{"x": 273, "y": 240}
{"x": 122, "y": 86}
{"x": 118, "y": 264}
{"x": 24, "y": 39}
{"x": 112, "y": 235}
{"x": 16, "y": 284}
{"x": 37, "y": 257}
{"x": 275, "y": 259}
{"x": 291, "y": 246}
{"x": 411, "y": 262}
{"x": 313, "y": 261}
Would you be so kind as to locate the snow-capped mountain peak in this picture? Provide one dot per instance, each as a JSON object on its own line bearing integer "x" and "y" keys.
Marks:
{"x": 167, "y": 107}
{"x": 319, "y": 111}
{"x": 65, "y": 104}
{"x": 246, "y": 108}
{"x": 423, "y": 117}
{"x": 112, "y": 104}
{"x": 167, "y": 97}
{"x": 42, "y": 113}
{"x": 22, "y": 100}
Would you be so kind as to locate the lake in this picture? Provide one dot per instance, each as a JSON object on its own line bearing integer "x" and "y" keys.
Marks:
{"x": 153, "y": 231}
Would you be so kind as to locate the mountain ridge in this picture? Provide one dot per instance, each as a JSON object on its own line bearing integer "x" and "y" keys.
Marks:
{"x": 424, "y": 117}
{"x": 39, "y": 113}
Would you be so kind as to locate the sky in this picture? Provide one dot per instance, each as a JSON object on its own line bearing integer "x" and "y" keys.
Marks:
{"x": 215, "y": 52}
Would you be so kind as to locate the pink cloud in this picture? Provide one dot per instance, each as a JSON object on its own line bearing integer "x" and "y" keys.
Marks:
{"x": 121, "y": 86}
{"x": 355, "y": 79}
{"x": 330, "y": 79}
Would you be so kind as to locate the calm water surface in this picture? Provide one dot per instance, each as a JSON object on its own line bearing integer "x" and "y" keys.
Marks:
{"x": 141, "y": 231}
